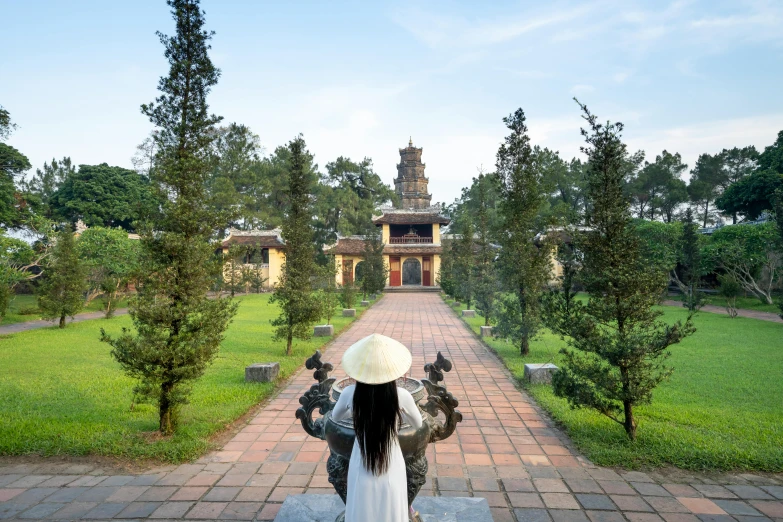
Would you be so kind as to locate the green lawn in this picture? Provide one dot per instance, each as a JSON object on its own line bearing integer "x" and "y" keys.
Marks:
{"x": 744, "y": 303}
{"x": 722, "y": 408}
{"x": 26, "y": 301}
{"x": 62, "y": 393}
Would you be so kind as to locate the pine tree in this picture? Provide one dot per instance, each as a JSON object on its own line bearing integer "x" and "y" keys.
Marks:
{"x": 690, "y": 259}
{"x": 525, "y": 263}
{"x": 65, "y": 280}
{"x": 617, "y": 345}
{"x": 299, "y": 307}
{"x": 445, "y": 277}
{"x": 463, "y": 260}
{"x": 375, "y": 270}
{"x": 483, "y": 271}
{"x": 178, "y": 329}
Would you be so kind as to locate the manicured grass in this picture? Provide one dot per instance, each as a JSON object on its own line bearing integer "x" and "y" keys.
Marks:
{"x": 743, "y": 303}
{"x": 722, "y": 409}
{"x": 22, "y": 301}
{"x": 62, "y": 393}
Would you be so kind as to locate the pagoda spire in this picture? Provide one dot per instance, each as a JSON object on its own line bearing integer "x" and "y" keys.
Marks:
{"x": 410, "y": 183}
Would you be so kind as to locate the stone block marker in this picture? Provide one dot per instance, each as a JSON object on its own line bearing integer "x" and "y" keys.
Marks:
{"x": 318, "y": 508}
{"x": 349, "y": 312}
{"x": 468, "y": 313}
{"x": 373, "y": 297}
{"x": 456, "y": 303}
{"x": 540, "y": 373}
{"x": 323, "y": 330}
{"x": 365, "y": 303}
{"x": 262, "y": 372}
{"x": 486, "y": 331}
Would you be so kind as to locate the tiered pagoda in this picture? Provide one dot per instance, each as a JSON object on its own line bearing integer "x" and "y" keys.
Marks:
{"x": 411, "y": 231}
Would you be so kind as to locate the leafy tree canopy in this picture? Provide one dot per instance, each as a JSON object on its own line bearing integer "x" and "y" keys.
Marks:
{"x": 104, "y": 196}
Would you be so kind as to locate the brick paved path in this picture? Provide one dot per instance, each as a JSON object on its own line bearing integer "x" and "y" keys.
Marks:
{"x": 741, "y": 312}
{"x": 505, "y": 450}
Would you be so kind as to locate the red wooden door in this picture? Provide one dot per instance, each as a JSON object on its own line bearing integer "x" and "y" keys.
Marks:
{"x": 426, "y": 270}
{"x": 348, "y": 272}
{"x": 395, "y": 278}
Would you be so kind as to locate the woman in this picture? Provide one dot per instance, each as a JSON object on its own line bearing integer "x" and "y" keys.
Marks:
{"x": 377, "y": 486}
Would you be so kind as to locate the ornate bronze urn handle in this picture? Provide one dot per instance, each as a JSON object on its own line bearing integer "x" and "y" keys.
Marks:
{"x": 316, "y": 397}
{"x": 440, "y": 399}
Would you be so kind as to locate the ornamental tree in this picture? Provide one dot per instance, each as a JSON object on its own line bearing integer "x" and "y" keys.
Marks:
{"x": 299, "y": 307}
{"x": 375, "y": 270}
{"x": 485, "y": 282}
{"x": 178, "y": 329}
{"x": 61, "y": 293}
{"x": 617, "y": 347}
{"x": 111, "y": 259}
{"x": 690, "y": 261}
{"x": 525, "y": 262}
{"x": 462, "y": 249}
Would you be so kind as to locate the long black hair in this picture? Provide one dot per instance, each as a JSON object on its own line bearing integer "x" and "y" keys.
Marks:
{"x": 376, "y": 419}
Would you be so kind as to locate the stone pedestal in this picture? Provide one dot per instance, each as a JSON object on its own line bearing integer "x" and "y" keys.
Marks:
{"x": 486, "y": 331}
{"x": 468, "y": 313}
{"x": 323, "y": 330}
{"x": 262, "y": 372}
{"x": 326, "y": 508}
{"x": 540, "y": 373}
{"x": 365, "y": 303}
{"x": 456, "y": 303}
{"x": 349, "y": 312}
{"x": 373, "y": 297}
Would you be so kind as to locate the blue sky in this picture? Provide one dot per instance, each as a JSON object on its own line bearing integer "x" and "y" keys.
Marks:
{"x": 358, "y": 78}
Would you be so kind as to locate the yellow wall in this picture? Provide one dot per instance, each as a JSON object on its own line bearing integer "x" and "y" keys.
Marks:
{"x": 276, "y": 261}
{"x": 341, "y": 259}
{"x": 436, "y": 233}
{"x": 385, "y": 234}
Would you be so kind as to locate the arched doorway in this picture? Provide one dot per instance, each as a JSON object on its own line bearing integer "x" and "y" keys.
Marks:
{"x": 359, "y": 271}
{"x": 411, "y": 272}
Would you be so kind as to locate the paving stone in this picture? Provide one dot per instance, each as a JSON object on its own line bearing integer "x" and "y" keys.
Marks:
{"x": 86, "y": 481}
{"x": 679, "y": 517}
{"x": 139, "y": 509}
{"x": 127, "y": 493}
{"x": 636, "y": 476}
{"x": 604, "y": 516}
{"x": 117, "y": 480}
{"x": 532, "y": 515}
{"x": 157, "y": 493}
{"x": 241, "y": 510}
{"x": 11, "y": 509}
{"x": 736, "y": 507}
{"x": 715, "y": 518}
{"x": 549, "y": 485}
{"x": 73, "y": 510}
{"x": 525, "y": 500}
{"x": 701, "y": 506}
{"x": 40, "y": 511}
{"x": 253, "y": 494}
{"x": 172, "y": 510}
{"x": 29, "y": 481}
{"x": 666, "y": 504}
{"x": 106, "y": 510}
{"x": 771, "y": 509}
{"x": 750, "y": 492}
{"x": 681, "y": 490}
{"x": 221, "y": 494}
{"x": 630, "y": 503}
{"x": 58, "y": 481}
{"x": 591, "y": 501}
{"x": 713, "y": 491}
{"x": 207, "y": 510}
{"x": 583, "y": 486}
{"x": 559, "y": 501}
{"x": 98, "y": 494}
{"x": 189, "y": 493}
{"x": 35, "y": 495}
{"x": 452, "y": 484}
{"x": 484, "y": 484}
{"x": 517, "y": 485}
{"x": 775, "y": 491}
{"x": 614, "y": 487}
{"x": 568, "y": 515}
{"x": 650, "y": 490}
{"x": 746, "y": 518}
{"x": 642, "y": 517}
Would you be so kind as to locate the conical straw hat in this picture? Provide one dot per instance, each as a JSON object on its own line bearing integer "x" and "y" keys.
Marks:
{"x": 376, "y": 359}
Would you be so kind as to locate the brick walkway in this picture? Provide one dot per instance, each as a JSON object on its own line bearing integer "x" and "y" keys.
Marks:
{"x": 505, "y": 450}
{"x": 741, "y": 312}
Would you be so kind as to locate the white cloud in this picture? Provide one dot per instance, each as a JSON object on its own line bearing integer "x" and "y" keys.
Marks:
{"x": 582, "y": 88}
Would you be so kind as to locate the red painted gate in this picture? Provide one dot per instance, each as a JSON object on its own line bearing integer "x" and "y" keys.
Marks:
{"x": 426, "y": 271}
{"x": 395, "y": 278}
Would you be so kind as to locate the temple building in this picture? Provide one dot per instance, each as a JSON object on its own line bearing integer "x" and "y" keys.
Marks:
{"x": 264, "y": 249}
{"x": 411, "y": 231}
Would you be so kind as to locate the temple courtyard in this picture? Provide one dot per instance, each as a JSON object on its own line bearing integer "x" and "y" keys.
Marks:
{"x": 505, "y": 450}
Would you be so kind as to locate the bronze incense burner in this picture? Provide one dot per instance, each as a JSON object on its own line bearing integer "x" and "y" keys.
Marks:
{"x": 431, "y": 397}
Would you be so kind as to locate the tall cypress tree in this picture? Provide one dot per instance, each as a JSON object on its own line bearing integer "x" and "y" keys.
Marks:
{"x": 525, "y": 265}
{"x": 463, "y": 262}
{"x": 483, "y": 271}
{"x": 65, "y": 280}
{"x": 375, "y": 270}
{"x": 299, "y": 307}
{"x": 617, "y": 345}
{"x": 178, "y": 329}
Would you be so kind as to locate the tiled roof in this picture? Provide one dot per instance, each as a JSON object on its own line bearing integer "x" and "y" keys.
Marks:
{"x": 262, "y": 238}
{"x": 353, "y": 245}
